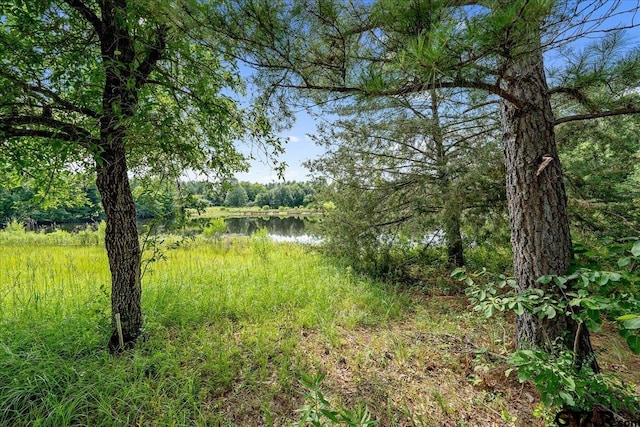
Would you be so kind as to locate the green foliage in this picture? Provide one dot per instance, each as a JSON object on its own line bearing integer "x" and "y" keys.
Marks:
{"x": 319, "y": 412}
{"x": 236, "y": 197}
{"x": 561, "y": 384}
{"x": 273, "y": 195}
{"x": 15, "y": 227}
{"x": 65, "y": 198}
{"x": 262, "y": 244}
{"x": 600, "y": 159}
{"x": 588, "y": 297}
{"x": 215, "y": 228}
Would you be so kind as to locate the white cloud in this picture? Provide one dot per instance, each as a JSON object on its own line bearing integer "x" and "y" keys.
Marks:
{"x": 293, "y": 138}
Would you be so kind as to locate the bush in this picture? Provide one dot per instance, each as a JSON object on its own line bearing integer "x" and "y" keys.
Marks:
{"x": 215, "y": 229}
{"x": 587, "y": 296}
{"x": 15, "y": 227}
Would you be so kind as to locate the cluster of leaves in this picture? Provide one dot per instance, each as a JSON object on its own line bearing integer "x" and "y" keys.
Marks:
{"x": 588, "y": 297}
{"x": 602, "y": 174}
{"x": 73, "y": 200}
{"x": 562, "y": 384}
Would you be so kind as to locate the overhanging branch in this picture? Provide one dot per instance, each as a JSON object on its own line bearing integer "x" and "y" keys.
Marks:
{"x": 51, "y": 95}
{"x": 154, "y": 54}
{"x": 412, "y": 89}
{"x": 45, "y": 127}
{"x": 597, "y": 115}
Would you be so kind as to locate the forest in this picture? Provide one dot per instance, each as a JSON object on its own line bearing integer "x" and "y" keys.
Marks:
{"x": 475, "y": 213}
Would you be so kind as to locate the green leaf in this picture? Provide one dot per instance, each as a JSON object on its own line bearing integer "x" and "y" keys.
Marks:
{"x": 625, "y": 333}
{"x": 632, "y": 323}
{"x": 626, "y": 317}
{"x": 550, "y": 312}
{"x": 458, "y": 273}
{"x": 623, "y": 262}
{"x": 544, "y": 279}
{"x": 332, "y": 415}
{"x": 519, "y": 310}
{"x": 633, "y": 341}
{"x": 570, "y": 383}
{"x": 635, "y": 250}
{"x": 523, "y": 375}
{"x": 567, "y": 399}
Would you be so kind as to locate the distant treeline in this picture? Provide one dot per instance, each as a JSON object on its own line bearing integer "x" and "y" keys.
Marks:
{"x": 153, "y": 199}
{"x": 239, "y": 194}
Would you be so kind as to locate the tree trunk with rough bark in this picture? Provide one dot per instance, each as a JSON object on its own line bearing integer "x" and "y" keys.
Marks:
{"x": 537, "y": 201}
{"x": 123, "y": 79}
{"x": 123, "y": 246}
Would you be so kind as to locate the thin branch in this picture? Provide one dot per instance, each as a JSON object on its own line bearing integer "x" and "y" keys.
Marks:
{"x": 597, "y": 115}
{"x": 416, "y": 88}
{"x": 68, "y": 106}
{"x": 153, "y": 56}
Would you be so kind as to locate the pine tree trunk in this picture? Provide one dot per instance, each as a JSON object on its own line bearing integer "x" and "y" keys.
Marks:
{"x": 453, "y": 236}
{"x": 537, "y": 200}
{"x": 121, "y": 241}
{"x": 452, "y": 210}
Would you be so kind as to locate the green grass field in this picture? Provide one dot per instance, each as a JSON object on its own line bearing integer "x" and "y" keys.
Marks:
{"x": 233, "y": 330}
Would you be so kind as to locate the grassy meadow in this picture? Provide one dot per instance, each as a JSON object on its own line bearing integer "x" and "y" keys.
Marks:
{"x": 239, "y": 332}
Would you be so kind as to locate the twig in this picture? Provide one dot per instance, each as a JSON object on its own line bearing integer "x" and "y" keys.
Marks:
{"x": 119, "y": 329}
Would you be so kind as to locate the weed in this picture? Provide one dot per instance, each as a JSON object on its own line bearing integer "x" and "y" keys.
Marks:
{"x": 319, "y": 412}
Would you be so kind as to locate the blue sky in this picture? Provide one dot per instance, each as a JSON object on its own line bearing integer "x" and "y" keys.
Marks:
{"x": 298, "y": 149}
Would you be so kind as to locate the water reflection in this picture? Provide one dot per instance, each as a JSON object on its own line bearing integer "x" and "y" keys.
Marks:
{"x": 288, "y": 227}
{"x": 280, "y": 229}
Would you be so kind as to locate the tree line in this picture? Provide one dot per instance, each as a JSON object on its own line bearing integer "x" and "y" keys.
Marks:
{"x": 290, "y": 194}
{"x": 30, "y": 203}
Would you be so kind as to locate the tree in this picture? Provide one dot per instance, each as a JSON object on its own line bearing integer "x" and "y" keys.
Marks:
{"x": 414, "y": 165}
{"x": 236, "y": 197}
{"x": 116, "y": 86}
{"x": 329, "y": 50}
{"x": 603, "y": 176}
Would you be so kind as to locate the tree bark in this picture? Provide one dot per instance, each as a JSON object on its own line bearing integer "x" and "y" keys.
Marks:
{"x": 537, "y": 201}
{"x": 122, "y": 244}
{"x": 119, "y": 102}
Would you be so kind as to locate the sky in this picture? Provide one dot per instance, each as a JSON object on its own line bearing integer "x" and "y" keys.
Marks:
{"x": 298, "y": 148}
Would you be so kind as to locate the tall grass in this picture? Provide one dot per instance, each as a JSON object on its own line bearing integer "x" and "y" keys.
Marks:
{"x": 224, "y": 321}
